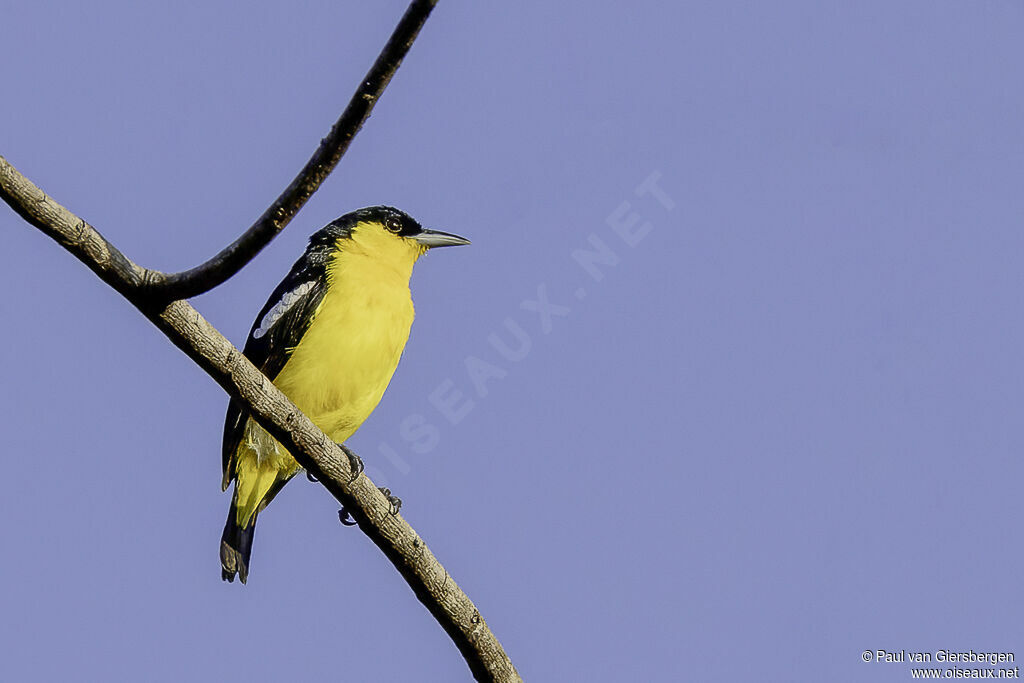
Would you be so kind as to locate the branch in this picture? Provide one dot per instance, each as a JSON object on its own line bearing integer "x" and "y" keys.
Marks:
{"x": 231, "y": 259}
{"x": 190, "y": 332}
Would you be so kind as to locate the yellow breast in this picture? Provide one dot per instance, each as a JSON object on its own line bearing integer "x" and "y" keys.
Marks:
{"x": 345, "y": 360}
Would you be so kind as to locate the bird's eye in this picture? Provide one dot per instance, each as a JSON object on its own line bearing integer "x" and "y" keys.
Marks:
{"x": 393, "y": 224}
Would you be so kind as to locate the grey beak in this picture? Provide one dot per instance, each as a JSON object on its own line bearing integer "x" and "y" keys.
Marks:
{"x": 436, "y": 238}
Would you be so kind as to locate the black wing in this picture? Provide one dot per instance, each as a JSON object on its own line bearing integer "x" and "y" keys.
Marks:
{"x": 278, "y": 328}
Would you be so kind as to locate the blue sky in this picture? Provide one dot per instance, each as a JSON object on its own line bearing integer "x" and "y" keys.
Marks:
{"x": 777, "y": 425}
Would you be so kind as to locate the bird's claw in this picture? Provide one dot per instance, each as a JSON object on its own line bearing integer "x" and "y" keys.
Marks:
{"x": 345, "y": 517}
{"x": 354, "y": 461}
{"x": 394, "y": 505}
{"x": 394, "y": 501}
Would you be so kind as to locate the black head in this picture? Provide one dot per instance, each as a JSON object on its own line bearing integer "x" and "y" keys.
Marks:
{"x": 393, "y": 220}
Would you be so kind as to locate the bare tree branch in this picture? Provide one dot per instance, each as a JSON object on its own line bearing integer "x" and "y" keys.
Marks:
{"x": 157, "y": 295}
{"x": 190, "y": 332}
{"x": 233, "y": 258}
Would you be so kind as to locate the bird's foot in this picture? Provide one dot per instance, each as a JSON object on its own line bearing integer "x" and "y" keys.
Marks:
{"x": 354, "y": 461}
{"x": 394, "y": 502}
{"x": 345, "y": 517}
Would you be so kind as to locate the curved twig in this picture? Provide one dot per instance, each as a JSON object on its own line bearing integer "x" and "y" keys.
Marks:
{"x": 233, "y": 257}
{"x": 190, "y": 332}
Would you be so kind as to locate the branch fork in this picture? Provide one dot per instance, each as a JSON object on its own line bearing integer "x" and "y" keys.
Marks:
{"x": 161, "y": 298}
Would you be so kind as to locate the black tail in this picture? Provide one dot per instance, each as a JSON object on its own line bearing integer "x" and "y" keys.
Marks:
{"x": 235, "y": 547}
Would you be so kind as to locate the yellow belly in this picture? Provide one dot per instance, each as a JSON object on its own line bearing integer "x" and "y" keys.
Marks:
{"x": 336, "y": 375}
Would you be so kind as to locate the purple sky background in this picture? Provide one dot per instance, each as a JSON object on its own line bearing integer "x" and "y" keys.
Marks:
{"x": 782, "y": 429}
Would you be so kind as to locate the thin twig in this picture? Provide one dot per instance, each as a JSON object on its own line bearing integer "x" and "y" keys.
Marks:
{"x": 190, "y": 332}
{"x": 231, "y": 259}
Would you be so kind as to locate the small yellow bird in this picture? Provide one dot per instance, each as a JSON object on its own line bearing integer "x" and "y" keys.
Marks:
{"x": 330, "y": 338}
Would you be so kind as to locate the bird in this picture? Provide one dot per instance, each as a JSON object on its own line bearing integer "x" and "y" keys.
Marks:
{"x": 330, "y": 337}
